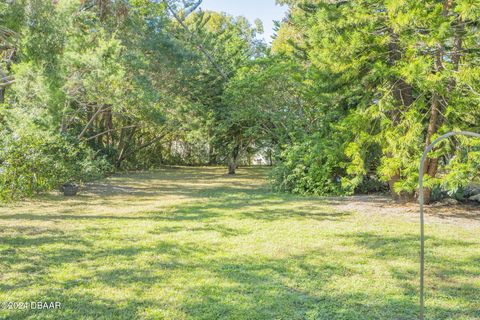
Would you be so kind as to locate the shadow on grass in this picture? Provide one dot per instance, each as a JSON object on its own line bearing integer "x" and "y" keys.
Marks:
{"x": 447, "y": 277}
{"x": 189, "y": 182}
{"x": 223, "y": 230}
{"x": 194, "y": 280}
{"x": 404, "y": 246}
{"x": 240, "y": 205}
{"x": 297, "y": 287}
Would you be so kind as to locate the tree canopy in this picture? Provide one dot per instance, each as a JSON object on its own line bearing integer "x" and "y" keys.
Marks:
{"x": 344, "y": 100}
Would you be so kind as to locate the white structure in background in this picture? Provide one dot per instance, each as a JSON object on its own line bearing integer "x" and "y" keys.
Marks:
{"x": 182, "y": 150}
{"x": 260, "y": 159}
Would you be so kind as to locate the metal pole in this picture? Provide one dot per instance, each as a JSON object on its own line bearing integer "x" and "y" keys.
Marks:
{"x": 422, "y": 220}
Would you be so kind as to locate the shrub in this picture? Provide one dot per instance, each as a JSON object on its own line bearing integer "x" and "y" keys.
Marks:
{"x": 311, "y": 167}
{"x": 32, "y": 162}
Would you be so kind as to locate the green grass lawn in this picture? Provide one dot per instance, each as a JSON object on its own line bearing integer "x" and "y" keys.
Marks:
{"x": 193, "y": 243}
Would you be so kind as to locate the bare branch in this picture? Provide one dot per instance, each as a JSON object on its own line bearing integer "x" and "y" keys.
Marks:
{"x": 5, "y": 47}
{"x": 143, "y": 146}
{"x": 6, "y": 78}
{"x": 472, "y": 90}
{"x": 100, "y": 110}
{"x": 6, "y": 81}
{"x": 6, "y": 33}
{"x": 108, "y": 131}
{"x": 190, "y": 8}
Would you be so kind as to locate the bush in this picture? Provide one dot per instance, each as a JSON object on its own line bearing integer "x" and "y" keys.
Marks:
{"x": 32, "y": 162}
{"x": 323, "y": 165}
{"x": 311, "y": 167}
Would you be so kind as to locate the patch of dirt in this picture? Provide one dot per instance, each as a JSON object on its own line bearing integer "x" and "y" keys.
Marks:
{"x": 461, "y": 213}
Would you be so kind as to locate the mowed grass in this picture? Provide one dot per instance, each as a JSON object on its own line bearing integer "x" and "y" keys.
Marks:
{"x": 193, "y": 243}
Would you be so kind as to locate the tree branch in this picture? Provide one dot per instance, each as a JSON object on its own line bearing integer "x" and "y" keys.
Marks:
{"x": 6, "y": 84}
{"x": 143, "y": 146}
{"x": 110, "y": 130}
{"x": 199, "y": 45}
{"x": 100, "y": 110}
{"x": 190, "y": 8}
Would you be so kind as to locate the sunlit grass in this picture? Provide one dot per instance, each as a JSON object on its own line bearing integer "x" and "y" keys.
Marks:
{"x": 193, "y": 243}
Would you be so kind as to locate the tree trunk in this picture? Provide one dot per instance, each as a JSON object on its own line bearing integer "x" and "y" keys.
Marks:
{"x": 7, "y": 79}
{"x": 124, "y": 146}
{"x": 403, "y": 196}
{"x": 403, "y": 95}
{"x": 439, "y": 103}
{"x": 431, "y": 164}
{"x": 124, "y": 155}
{"x": 211, "y": 149}
{"x": 211, "y": 155}
{"x": 233, "y": 165}
{"x": 402, "y": 92}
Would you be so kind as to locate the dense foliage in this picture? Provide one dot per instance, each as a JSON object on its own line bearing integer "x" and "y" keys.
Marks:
{"x": 386, "y": 78}
{"x": 88, "y": 87}
{"x": 344, "y": 101}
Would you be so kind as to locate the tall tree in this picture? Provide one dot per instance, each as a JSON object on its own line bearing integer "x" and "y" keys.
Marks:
{"x": 391, "y": 73}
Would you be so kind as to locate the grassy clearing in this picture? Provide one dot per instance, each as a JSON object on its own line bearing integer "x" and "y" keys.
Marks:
{"x": 196, "y": 244}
